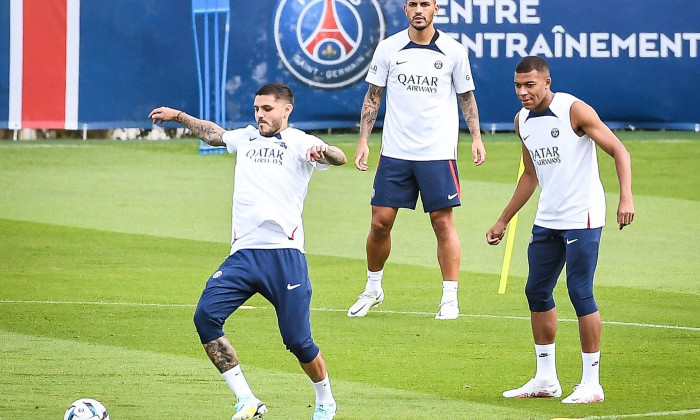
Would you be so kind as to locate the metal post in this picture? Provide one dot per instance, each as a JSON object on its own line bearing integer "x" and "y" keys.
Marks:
{"x": 207, "y": 17}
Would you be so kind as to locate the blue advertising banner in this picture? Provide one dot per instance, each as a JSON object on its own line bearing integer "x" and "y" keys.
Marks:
{"x": 636, "y": 61}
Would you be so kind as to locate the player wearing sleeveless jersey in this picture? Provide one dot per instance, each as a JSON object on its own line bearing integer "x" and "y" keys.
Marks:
{"x": 425, "y": 74}
{"x": 559, "y": 134}
{"x": 273, "y": 170}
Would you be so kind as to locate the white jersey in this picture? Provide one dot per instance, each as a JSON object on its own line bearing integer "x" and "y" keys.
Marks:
{"x": 271, "y": 180}
{"x": 422, "y": 82}
{"x": 572, "y": 195}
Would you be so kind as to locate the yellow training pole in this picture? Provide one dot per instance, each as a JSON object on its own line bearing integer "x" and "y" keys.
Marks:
{"x": 510, "y": 242}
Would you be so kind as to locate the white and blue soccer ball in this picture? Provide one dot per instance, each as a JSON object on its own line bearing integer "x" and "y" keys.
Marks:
{"x": 86, "y": 409}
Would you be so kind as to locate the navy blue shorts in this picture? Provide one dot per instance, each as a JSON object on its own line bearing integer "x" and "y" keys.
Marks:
{"x": 281, "y": 276}
{"x": 547, "y": 253}
{"x": 398, "y": 183}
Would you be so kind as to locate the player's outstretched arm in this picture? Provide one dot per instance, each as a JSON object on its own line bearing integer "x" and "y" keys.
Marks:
{"x": 325, "y": 153}
{"x": 208, "y": 131}
{"x": 470, "y": 112}
{"x": 584, "y": 119}
{"x": 370, "y": 109}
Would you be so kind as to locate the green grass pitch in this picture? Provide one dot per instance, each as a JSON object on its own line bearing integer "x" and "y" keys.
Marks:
{"x": 105, "y": 247}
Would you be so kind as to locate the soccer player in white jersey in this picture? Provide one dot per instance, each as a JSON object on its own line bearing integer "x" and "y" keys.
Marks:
{"x": 273, "y": 170}
{"x": 559, "y": 134}
{"x": 425, "y": 74}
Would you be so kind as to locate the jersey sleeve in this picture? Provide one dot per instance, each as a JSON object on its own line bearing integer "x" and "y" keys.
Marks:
{"x": 462, "y": 75}
{"x": 233, "y": 138}
{"x": 379, "y": 67}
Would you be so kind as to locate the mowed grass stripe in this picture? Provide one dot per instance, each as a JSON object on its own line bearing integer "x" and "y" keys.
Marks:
{"x": 679, "y": 413}
{"x": 128, "y": 381}
{"x": 464, "y": 360}
{"x": 114, "y": 265}
{"x": 382, "y": 311}
{"x": 165, "y": 189}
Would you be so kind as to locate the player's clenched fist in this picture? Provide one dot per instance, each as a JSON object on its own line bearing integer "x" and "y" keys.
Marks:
{"x": 495, "y": 234}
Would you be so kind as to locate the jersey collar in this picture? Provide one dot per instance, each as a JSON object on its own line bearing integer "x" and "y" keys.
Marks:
{"x": 546, "y": 113}
{"x": 430, "y": 46}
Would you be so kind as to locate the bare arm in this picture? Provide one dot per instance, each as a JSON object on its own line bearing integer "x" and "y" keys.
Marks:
{"x": 470, "y": 112}
{"x": 208, "y": 131}
{"x": 330, "y": 155}
{"x": 523, "y": 191}
{"x": 585, "y": 120}
{"x": 370, "y": 109}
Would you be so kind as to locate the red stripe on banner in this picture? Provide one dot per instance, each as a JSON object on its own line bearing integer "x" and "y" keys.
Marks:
{"x": 44, "y": 67}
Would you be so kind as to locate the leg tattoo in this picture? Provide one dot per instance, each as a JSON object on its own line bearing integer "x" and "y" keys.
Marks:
{"x": 222, "y": 354}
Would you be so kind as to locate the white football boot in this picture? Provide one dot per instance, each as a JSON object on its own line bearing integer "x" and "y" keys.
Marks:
{"x": 249, "y": 407}
{"x": 535, "y": 389}
{"x": 324, "y": 411}
{"x": 448, "y": 310}
{"x": 585, "y": 393}
{"x": 364, "y": 302}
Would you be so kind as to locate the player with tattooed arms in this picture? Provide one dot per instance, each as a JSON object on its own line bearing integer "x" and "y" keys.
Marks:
{"x": 425, "y": 74}
{"x": 274, "y": 166}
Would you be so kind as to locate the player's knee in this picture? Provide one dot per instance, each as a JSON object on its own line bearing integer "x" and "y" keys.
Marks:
{"x": 583, "y": 301}
{"x": 208, "y": 327}
{"x": 380, "y": 227}
{"x": 444, "y": 228}
{"x": 539, "y": 300}
{"x": 305, "y": 351}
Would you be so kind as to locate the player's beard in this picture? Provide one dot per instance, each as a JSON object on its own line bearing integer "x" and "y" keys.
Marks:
{"x": 268, "y": 129}
{"x": 423, "y": 24}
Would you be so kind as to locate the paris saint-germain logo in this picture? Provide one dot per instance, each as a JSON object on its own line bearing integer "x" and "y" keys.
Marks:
{"x": 555, "y": 132}
{"x": 328, "y": 43}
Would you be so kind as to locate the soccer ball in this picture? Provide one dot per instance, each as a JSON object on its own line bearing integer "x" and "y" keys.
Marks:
{"x": 86, "y": 409}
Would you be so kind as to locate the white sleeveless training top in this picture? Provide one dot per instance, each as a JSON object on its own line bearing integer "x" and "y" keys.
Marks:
{"x": 572, "y": 195}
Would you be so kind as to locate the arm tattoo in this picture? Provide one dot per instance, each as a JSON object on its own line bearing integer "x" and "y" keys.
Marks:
{"x": 222, "y": 354}
{"x": 370, "y": 109}
{"x": 206, "y": 130}
{"x": 470, "y": 112}
{"x": 334, "y": 156}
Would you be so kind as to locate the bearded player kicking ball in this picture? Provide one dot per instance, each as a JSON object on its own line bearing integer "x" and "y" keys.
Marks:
{"x": 273, "y": 170}
{"x": 559, "y": 136}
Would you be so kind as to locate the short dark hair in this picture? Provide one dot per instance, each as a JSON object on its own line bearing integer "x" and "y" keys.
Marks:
{"x": 278, "y": 90}
{"x": 530, "y": 63}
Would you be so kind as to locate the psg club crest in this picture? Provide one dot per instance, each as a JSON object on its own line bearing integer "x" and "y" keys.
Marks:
{"x": 328, "y": 43}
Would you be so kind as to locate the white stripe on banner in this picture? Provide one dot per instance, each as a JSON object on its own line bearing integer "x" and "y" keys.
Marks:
{"x": 72, "y": 63}
{"x": 14, "y": 118}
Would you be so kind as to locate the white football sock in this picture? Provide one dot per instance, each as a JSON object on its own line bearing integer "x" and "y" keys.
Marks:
{"x": 591, "y": 368}
{"x": 374, "y": 282}
{"x": 236, "y": 381}
{"x": 324, "y": 394}
{"x": 546, "y": 363}
{"x": 449, "y": 291}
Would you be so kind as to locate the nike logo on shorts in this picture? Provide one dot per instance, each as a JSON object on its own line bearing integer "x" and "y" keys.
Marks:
{"x": 571, "y": 241}
{"x": 451, "y": 196}
{"x": 293, "y": 286}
